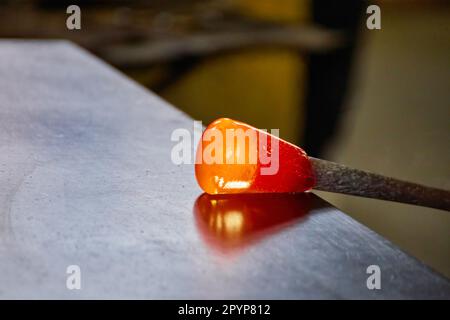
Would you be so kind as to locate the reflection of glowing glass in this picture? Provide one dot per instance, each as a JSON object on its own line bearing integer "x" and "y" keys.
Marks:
{"x": 232, "y": 221}
{"x": 229, "y": 223}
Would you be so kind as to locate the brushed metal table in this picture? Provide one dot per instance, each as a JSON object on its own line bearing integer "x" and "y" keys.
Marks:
{"x": 86, "y": 179}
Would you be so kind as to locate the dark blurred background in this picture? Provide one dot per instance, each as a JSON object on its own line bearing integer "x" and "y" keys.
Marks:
{"x": 373, "y": 99}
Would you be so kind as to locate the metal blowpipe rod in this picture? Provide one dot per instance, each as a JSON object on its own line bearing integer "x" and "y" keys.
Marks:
{"x": 334, "y": 177}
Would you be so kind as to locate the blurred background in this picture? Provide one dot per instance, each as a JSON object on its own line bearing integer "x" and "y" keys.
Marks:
{"x": 377, "y": 100}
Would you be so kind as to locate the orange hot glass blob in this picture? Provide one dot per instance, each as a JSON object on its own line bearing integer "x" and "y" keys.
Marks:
{"x": 234, "y": 157}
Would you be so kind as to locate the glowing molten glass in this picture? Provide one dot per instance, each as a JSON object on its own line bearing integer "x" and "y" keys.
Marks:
{"x": 234, "y": 157}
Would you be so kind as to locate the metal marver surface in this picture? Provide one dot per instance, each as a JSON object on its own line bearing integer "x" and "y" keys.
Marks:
{"x": 86, "y": 179}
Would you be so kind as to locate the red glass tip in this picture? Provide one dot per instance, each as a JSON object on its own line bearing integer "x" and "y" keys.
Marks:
{"x": 234, "y": 157}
